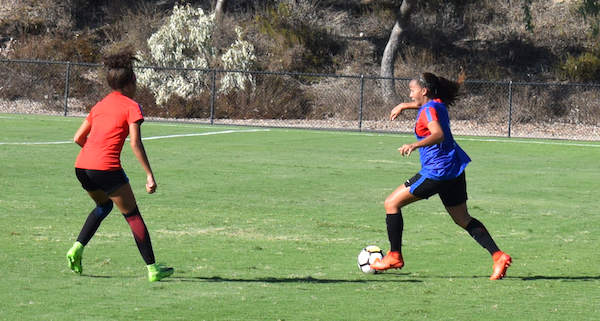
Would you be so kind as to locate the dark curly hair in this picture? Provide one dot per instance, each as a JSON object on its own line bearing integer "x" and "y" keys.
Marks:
{"x": 440, "y": 87}
{"x": 119, "y": 68}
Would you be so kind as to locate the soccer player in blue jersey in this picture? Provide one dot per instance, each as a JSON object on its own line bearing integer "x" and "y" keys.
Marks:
{"x": 443, "y": 165}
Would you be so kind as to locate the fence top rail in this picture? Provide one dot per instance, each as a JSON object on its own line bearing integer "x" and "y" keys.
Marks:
{"x": 524, "y": 83}
{"x": 471, "y": 81}
{"x": 51, "y": 62}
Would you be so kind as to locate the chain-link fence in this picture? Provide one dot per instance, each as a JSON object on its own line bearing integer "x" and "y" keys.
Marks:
{"x": 315, "y": 101}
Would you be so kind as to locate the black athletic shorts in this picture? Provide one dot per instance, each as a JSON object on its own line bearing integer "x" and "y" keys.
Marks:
{"x": 452, "y": 192}
{"x": 108, "y": 181}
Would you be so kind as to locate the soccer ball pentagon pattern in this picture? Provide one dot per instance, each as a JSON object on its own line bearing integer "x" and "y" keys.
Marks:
{"x": 367, "y": 256}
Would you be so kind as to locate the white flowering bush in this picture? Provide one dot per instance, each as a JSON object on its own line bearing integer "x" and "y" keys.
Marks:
{"x": 240, "y": 56}
{"x": 182, "y": 50}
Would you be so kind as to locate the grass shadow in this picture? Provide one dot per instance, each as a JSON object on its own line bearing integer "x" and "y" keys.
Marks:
{"x": 313, "y": 280}
{"x": 91, "y": 276}
{"x": 559, "y": 278}
{"x": 308, "y": 279}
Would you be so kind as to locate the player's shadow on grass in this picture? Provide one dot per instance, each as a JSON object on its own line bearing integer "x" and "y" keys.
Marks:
{"x": 366, "y": 280}
{"x": 95, "y": 276}
{"x": 527, "y": 278}
{"x": 558, "y": 278}
{"x": 308, "y": 279}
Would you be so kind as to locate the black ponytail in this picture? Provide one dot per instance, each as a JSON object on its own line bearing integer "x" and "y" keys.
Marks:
{"x": 440, "y": 87}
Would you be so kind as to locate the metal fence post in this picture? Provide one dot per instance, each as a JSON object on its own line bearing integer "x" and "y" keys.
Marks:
{"x": 214, "y": 93}
{"x": 360, "y": 109}
{"x": 509, "y": 107}
{"x": 67, "y": 88}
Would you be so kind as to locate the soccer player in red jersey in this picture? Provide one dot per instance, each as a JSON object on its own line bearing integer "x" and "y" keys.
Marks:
{"x": 98, "y": 166}
{"x": 442, "y": 172}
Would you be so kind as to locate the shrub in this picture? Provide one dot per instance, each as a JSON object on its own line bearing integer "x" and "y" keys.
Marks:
{"x": 590, "y": 11}
{"x": 582, "y": 68}
{"x": 184, "y": 46}
{"x": 80, "y": 47}
{"x": 296, "y": 42}
{"x": 274, "y": 97}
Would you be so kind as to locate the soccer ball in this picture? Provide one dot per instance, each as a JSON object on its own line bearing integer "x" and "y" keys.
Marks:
{"x": 367, "y": 256}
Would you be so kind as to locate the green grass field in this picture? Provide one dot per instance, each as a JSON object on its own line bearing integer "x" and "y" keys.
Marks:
{"x": 266, "y": 224}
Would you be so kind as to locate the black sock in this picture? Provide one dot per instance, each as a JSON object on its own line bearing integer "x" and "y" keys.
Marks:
{"x": 141, "y": 235}
{"x": 395, "y": 225}
{"x": 92, "y": 223}
{"x": 482, "y": 236}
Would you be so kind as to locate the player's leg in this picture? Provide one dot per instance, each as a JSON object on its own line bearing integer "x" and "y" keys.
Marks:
{"x": 103, "y": 207}
{"x": 125, "y": 200}
{"x": 480, "y": 234}
{"x": 454, "y": 197}
{"x": 395, "y": 225}
{"x": 394, "y": 221}
{"x": 476, "y": 229}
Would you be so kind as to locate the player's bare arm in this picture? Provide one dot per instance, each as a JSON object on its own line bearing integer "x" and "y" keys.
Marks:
{"x": 82, "y": 133}
{"x": 135, "y": 135}
{"x": 402, "y": 106}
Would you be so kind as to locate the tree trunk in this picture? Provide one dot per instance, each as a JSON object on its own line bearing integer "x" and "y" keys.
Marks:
{"x": 391, "y": 50}
{"x": 220, "y": 9}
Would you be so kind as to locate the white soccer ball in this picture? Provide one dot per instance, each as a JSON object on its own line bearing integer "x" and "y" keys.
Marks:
{"x": 367, "y": 256}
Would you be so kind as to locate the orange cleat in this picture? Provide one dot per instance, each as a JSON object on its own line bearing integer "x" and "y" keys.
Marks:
{"x": 501, "y": 263}
{"x": 393, "y": 260}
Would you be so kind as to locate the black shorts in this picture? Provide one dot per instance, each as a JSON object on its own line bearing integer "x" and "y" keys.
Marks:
{"x": 108, "y": 181}
{"x": 452, "y": 192}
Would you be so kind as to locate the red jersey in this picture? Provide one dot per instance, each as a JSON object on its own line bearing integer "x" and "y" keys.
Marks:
{"x": 110, "y": 119}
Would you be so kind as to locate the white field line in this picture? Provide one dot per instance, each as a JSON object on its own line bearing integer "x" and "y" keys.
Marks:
{"x": 474, "y": 139}
{"x": 528, "y": 142}
{"x": 147, "y": 138}
{"x": 495, "y": 140}
{"x": 205, "y": 134}
{"x": 38, "y": 143}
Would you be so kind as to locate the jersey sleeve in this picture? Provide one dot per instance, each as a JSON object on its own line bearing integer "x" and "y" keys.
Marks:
{"x": 431, "y": 114}
{"x": 427, "y": 115}
{"x": 134, "y": 114}
{"x": 90, "y": 116}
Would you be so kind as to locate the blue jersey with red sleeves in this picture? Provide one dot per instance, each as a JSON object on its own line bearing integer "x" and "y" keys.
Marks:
{"x": 445, "y": 160}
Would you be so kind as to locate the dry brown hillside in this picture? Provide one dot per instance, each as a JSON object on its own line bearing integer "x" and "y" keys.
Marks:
{"x": 488, "y": 39}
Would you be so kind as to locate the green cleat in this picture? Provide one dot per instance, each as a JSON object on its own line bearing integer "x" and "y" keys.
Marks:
{"x": 74, "y": 258}
{"x": 158, "y": 272}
